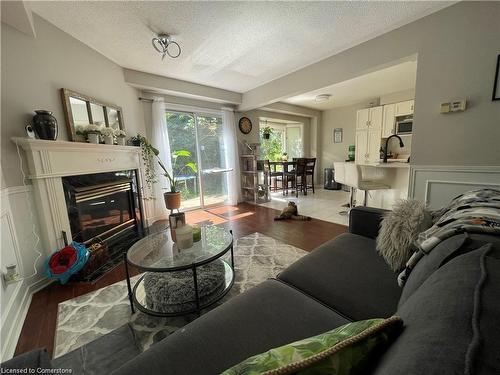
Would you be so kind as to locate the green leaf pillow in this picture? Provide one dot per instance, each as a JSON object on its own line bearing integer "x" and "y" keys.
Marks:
{"x": 344, "y": 350}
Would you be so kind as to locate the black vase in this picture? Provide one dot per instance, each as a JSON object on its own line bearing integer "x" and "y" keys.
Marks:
{"x": 45, "y": 125}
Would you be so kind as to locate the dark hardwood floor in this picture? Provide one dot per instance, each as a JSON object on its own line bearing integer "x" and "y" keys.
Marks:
{"x": 40, "y": 324}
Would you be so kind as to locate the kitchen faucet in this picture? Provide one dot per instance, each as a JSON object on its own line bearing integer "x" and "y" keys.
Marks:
{"x": 401, "y": 144}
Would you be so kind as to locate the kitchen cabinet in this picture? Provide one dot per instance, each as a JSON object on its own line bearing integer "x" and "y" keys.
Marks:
{"x": 405, "y": 108}
{"x": 369, "y": 118}
{"x": 368, "y": 146}
{"x": 389, "y": 120}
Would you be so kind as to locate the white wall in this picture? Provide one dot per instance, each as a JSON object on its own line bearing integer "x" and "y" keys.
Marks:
{"x": 457, "y": 49}
{"x": 18, "y": 245}
{"x": 33, "y": 71}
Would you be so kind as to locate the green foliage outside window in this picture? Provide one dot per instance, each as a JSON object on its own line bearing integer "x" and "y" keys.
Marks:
{"x": 273, "y": 147}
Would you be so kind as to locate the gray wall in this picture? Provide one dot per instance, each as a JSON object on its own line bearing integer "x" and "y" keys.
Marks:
{"x": 457, "y": 49}
{"x": 33, "y": 71}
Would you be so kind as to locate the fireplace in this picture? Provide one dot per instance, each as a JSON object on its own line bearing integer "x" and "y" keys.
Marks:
{"x": 104, "y": 207}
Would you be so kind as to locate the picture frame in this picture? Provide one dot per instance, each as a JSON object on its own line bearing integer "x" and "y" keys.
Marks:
{"x": 337, "y": 135}
{"x": 496, "y": 83}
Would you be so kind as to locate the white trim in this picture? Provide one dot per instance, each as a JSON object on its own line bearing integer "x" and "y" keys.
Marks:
{"x": 9, "y": 346}
{"x": 171, "y": 107}
{"x": 14, "y": 190}
{"x": 424, "y": 178}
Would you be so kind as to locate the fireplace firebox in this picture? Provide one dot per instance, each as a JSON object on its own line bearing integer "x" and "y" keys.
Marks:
{"x": 105, "y": 208}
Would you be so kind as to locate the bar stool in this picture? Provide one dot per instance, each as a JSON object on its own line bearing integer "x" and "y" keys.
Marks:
{"x": 354, "y": 179}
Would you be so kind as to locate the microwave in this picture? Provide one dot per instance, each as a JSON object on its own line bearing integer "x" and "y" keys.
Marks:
{"x": 404, "y": 126}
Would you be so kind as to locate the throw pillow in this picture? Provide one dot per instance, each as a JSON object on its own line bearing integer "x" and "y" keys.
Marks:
{"x": 399, "y": 229}
{"x": 348, "y": 349}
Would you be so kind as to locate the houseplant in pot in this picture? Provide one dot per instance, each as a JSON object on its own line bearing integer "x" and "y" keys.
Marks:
{"x": 173, "y": 197}
{"x": 108, "y": 134}
{"x": 120, "y": 137}
{"x": 93, "y": 133}
{"x": 267, "y": 132}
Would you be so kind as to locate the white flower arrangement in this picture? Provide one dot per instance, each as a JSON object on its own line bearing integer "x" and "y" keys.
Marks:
{"x": 120, "y": 133}
{"x": 91, "y": 128}
{"x": 107, "y": 132}
{"x": 81, "y": 129}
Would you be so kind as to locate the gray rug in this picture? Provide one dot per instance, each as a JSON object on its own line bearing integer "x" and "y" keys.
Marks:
{"x": 85, "y": 318}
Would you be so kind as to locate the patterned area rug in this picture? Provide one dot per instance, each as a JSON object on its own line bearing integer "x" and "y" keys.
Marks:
{"x": 85, "y": 318}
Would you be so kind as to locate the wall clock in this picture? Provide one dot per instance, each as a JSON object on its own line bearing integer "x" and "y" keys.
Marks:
{"x": 245, "y": 125}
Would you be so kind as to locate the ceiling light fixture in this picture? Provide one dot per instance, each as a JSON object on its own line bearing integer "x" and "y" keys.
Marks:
{"x": 164, "y": 44}
{"x": 322, "y": 98}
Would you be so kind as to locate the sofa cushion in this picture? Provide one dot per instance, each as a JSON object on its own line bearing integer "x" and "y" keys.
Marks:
{"x": 349, "y": 275}
{"x": 268, "y": 315}
{"x": 349, "y": 349}
{"x": 438, "y": 320}
{"x": 442, "y": 253}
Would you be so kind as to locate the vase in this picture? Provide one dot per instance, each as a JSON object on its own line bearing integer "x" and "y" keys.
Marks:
{"x": 108, "y": 139}
{"x": 120, "y": 141}
{"x": 45, "y": 125}
{"x": 80, "y": 138}
{"x": 172, "y": 200}
{"x": 93, "y": 138}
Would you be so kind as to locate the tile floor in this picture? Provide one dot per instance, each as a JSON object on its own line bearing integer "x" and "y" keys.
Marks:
{"x": 324, "y": 204}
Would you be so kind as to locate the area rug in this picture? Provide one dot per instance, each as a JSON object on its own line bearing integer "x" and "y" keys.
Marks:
{"x": 85, "y": 318}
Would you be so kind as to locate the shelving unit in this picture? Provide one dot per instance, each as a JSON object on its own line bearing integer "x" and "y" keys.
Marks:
{"x": 254, "y": 176}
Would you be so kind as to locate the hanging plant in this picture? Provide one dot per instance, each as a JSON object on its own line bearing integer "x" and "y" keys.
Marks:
{"x": 148, "y": 153}
{"x": 267, "y": 132}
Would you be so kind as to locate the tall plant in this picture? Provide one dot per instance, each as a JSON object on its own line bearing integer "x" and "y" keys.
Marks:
{"x": 175, "y": 156}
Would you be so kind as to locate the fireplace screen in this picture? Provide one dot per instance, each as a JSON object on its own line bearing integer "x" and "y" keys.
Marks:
{"x": 102, "y": 206}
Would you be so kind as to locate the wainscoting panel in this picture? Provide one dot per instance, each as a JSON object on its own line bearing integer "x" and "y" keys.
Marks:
{"x": 438, "y": 185}
{"x": 17, "y": 247}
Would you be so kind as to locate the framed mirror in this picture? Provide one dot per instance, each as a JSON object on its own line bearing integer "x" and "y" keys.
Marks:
{"x": 81, "y": 110}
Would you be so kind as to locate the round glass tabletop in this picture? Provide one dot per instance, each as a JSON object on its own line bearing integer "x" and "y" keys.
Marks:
{"x": 157, "y": 252}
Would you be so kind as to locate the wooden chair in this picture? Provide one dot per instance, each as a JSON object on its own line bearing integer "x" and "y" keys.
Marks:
{"x": 277, "y": 175}
{"x": 297, "y": 176}
{"x": 310, "y": 166}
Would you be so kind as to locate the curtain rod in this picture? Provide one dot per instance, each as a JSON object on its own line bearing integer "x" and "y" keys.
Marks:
{"x": 145, "y": 99}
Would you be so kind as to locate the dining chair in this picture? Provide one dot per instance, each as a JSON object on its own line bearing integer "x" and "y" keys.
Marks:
{"x": 310, "y": 166}
{"x": 274, "y": 174}
{"x": 297, "y": 176}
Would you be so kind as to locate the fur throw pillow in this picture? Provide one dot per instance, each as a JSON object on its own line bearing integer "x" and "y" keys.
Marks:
{"x": 399, "y": 229}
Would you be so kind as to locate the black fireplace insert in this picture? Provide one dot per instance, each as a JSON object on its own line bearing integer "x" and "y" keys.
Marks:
{"x": 105, "y": 208}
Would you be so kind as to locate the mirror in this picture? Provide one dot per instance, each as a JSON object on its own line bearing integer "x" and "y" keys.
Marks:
{"x": 81, "y": 110}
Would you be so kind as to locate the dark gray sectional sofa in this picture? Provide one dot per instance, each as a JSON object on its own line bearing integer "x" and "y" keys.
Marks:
{"x": 450, "y": 307}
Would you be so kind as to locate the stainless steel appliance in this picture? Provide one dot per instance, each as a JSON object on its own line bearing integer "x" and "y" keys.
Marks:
{"x": 404, "y": 126}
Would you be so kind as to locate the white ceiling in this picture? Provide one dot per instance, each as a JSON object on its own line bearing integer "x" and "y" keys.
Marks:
{"x": 231, "y": 45}
{"x": 396, "y": 78}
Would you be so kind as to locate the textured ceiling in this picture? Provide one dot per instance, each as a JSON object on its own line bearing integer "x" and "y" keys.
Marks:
{"x": 232, "y": 45}
{"x": 396, "y": 78}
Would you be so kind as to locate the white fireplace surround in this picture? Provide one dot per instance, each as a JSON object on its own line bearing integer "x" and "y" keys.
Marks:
{"x": 49, "y": 161}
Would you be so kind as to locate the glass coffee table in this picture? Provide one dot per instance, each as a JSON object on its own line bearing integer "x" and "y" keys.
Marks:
{"x": 178, "y": 282}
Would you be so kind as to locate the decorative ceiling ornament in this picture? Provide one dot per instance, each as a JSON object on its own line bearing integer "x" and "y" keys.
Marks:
{"x": 164, "y": 44}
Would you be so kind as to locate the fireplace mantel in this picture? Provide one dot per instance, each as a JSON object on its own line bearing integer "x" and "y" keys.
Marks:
{"x": 49, "y": 161}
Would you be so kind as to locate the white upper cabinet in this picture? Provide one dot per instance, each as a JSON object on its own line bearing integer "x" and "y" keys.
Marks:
{"x": 362, "y": 118}
{"x": 369, "y": 117}
{"x": 405, "y": 108}
{"x": 389, "y": 120}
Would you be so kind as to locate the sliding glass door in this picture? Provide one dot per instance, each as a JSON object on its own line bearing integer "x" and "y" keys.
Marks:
{"x": 201, "y": 135}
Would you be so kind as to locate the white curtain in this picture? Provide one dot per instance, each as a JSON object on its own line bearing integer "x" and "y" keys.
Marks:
{"x": 232, "y": 156}
{"x": 160, "y": 141}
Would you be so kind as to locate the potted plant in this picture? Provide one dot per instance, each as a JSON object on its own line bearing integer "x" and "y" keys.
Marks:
{"x": 148, "y": 153}
{"x": 136, "y": 140}
{"x": 108, "y": 135}
{"x": 81, "y": 133}
{"x": 93, "y": 133}
{"x": 173, "y": 197}
{"x": 267, "y": 132}
{"x": 120, "y": 136}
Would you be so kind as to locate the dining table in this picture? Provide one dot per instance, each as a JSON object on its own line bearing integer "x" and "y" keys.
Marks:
{"x": 286, "y": 167}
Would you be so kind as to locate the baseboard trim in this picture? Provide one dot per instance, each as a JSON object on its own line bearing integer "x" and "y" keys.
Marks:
{"x": 9, "y": 346}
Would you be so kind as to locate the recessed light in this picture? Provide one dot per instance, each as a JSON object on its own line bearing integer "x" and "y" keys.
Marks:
{"x": 322, "y": 98}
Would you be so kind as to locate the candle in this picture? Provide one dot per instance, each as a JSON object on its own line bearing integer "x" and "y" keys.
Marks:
{"x": 184, "y": 236}
{"x": 196, "y": 233}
